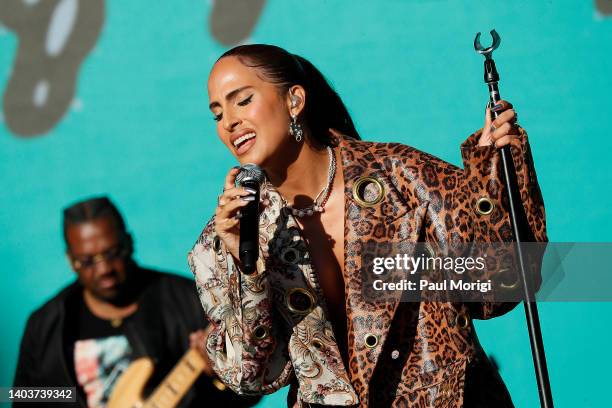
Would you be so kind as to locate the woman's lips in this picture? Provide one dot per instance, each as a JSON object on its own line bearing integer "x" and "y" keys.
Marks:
{"x": 246, "y": 146}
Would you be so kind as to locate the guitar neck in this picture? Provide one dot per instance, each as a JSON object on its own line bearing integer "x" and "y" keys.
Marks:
{"x": 177, "y": 383}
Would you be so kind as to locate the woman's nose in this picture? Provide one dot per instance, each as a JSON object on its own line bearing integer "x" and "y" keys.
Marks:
{"x": 230, "y": 122}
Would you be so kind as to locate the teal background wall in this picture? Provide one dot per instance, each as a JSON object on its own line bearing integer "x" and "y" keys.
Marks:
{"x": 139, "y": 130}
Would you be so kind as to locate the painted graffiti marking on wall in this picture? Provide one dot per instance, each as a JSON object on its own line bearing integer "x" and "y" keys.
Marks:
{"x": 232, "y": 21}
{"x": 54, "y": 37}
{"x": 604, "y": 6}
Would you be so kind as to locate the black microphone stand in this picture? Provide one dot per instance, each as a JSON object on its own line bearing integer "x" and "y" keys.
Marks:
{"x": 520, "y": 229}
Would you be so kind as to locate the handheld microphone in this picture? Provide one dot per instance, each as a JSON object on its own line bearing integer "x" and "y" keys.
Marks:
{"x": 250, "y": 176}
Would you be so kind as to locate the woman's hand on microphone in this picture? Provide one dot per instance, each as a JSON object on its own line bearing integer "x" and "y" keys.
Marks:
{"x": 501, "y": 130}
{"x": 227, "y": 218}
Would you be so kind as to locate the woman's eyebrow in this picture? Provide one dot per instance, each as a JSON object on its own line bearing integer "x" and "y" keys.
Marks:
{"x": 231, "y": 95}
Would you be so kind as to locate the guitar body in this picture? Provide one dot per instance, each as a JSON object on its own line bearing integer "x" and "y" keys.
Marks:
{"x": 128, "y": 391}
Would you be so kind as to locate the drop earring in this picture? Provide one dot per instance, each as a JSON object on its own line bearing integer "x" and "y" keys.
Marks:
{"x": 295, "y": 129}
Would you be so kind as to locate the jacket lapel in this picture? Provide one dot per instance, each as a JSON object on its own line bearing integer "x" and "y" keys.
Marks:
{"x": 376, "y": 215}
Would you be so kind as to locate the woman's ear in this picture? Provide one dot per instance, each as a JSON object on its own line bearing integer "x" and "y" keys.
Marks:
{"x": 296, "y": 99}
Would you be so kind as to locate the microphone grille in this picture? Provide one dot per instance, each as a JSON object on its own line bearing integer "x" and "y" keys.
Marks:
{"x": 250, "y": 171}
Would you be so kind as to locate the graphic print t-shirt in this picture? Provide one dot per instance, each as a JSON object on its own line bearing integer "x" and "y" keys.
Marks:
{"x": 101, "y": 354}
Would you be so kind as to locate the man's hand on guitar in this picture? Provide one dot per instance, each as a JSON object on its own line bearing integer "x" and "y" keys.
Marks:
{"x": 197, "y": 341}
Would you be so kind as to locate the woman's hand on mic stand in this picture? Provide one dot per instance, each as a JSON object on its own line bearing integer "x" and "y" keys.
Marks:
{"x": 501, "y": 130}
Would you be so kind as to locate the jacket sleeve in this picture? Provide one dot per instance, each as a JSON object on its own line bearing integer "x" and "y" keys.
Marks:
{"x": 454, "y": 196}
{"x": 482, "y": 179}
{"x": 245, "y": 346}
{"x": 25, "y": 361}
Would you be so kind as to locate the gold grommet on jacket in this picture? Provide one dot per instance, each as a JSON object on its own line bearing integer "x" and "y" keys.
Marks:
{"x": 359, "y": 191}
{"x": 370, "y": 340}
{"x": 260, "y": 333}
{"x": 216, "y": 244}
{"x": 485, "y": 206}
{"x": 300, "y": 301}
{"x": 462, "y": 320}
{"x": 509, "y": 286}
{"x": 290, "y": 255}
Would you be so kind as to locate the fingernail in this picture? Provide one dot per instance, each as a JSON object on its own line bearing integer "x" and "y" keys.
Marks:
{"x": 235, "y": 167}
{"x": 250, "y": 190}
{"x": 497, "y": 107}
{"x": 248, "y": 198}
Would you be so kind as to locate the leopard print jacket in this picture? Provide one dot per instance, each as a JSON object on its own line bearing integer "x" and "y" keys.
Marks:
{"x": 270, "y": 328}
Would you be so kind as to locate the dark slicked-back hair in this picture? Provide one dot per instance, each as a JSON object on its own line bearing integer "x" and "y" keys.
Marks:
{"x": 92, "y": 209}
{"x": 323, "y": 110}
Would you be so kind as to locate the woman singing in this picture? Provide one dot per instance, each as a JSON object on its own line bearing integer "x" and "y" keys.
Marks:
{"x": 302, "y": 318}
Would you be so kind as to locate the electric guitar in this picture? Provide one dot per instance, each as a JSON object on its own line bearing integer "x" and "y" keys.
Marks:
{"x": 128, "y": 391}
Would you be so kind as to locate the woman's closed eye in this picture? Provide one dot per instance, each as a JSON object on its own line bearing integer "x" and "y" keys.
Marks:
{"x": 246, "y": 100}
{"x": 243, "y": 102}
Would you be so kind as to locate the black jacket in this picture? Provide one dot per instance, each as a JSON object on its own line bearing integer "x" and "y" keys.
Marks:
{"x": 168, "y": 311}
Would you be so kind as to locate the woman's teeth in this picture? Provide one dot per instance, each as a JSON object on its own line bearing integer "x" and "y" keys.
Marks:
{"x": 243, "y": 139}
